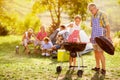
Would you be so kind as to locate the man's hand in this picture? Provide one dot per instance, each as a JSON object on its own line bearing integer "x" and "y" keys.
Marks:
{"x": 108, "y": 37}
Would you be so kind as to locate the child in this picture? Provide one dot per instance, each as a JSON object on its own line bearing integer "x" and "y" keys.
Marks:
{"x": 27, "y": 39}
{"x": 59, "y": 39}
{"x": 46, "y": 47}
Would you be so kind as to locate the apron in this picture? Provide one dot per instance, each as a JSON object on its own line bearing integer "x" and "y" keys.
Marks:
{"x": 74, "y": 36}
{"x": 74, "y": 33}
{"x": 97, "y": 30}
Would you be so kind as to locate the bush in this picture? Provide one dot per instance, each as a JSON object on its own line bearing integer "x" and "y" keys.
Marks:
{"x": 117, "y": 34}
{"x": 86, "y": 28}
{"x": 116, "y": 40}
{"x": 3, "y": 30}
{"x": 29, "y": 21}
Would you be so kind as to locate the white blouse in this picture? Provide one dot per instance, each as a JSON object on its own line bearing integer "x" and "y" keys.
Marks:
{"x": 75, "y": 27}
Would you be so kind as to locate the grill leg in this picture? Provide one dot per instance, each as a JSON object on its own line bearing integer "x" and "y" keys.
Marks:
{"x": 82, "y": 60}
{"x": 78, "y": 61}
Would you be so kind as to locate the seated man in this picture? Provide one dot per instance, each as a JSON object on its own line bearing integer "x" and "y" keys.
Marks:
{"x": 27, "y": 39}
{"x": 46, "y": 47}
{"x": 61, "y": 37}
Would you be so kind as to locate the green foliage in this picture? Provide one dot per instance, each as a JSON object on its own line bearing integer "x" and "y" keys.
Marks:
{"x": 116, "y": 40}
{"x": 117, "y": 34}
{"x": 119, "y": 1}
{"x": 17, "y": 16}
{"x": 9, "y": 20}
{"x": 31, "y": 21}
{"x": 71, "y": 7}
{"x": 35, "y": 67}
{"x": 54, "y": 7}
{"x": 38, "y": 8}
{"x": 3, "y": 30}
{"x": 75, "y": 7}
{"x": 86, "y": 28}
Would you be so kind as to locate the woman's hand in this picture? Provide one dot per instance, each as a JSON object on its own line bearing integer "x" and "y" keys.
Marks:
{"x": 70, "y": 25}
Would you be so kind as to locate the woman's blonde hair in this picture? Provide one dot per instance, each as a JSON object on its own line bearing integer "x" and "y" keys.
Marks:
{"x": 30, "y": 30}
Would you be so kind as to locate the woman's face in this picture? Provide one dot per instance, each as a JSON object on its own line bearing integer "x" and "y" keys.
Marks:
{"x": 42, "y": 29}
{"x": 77, "y": 21}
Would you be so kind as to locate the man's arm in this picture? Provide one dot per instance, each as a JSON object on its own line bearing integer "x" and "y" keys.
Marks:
{"x": 107, "y": 26}
{"x": 108, "y": 32}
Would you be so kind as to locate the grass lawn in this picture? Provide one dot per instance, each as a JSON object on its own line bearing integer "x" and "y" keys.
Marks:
{"x": 35, "y": 67}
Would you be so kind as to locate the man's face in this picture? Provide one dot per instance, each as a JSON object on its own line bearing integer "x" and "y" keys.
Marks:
{"x": 93, "y": 10}
{"x": 77, "y": 21}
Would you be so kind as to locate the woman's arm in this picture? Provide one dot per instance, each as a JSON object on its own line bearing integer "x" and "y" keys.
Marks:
{"x": 79, "y": 38}
{"x": 70, "y": 25}
{"x": 23, "y": 37}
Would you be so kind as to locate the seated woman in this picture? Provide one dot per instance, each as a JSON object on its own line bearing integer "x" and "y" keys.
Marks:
{"x": 27, "y": 39}
{"x": 46, "y": 47}
{"x": 61, "y": 37}
{"x": 40, "y": 36}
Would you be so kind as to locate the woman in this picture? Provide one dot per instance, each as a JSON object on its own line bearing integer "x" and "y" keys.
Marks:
{"x": 27, "y": 39}
{"x": 40, "y": 36}
{"x": 74, "y": 30}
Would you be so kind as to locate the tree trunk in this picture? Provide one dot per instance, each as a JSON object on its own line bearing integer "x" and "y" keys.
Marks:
{"x": 59, "y": 14}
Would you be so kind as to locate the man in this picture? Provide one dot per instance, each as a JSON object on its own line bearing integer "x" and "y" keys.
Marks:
{"x": 100, "y": 27}
{"x": 61, "y": 37}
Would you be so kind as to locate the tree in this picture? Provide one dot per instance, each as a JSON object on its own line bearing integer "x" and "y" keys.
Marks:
{"x": 55, "y": 9}
{"x": 71, "y": 7}
{"x": 17, "y": 16}
{"x": 75, "y": 7}
{"x": 118, "y": 1}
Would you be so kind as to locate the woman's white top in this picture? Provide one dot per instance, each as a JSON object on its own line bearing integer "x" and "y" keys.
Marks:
{"x": 75, "y": 27}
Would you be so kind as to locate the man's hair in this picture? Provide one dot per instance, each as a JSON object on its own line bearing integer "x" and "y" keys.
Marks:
{"x": 63, "y": 26}
{"x": 46, "y": 39}
{"x": 91, "y": 5}
{"x": 77, "y": 17}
